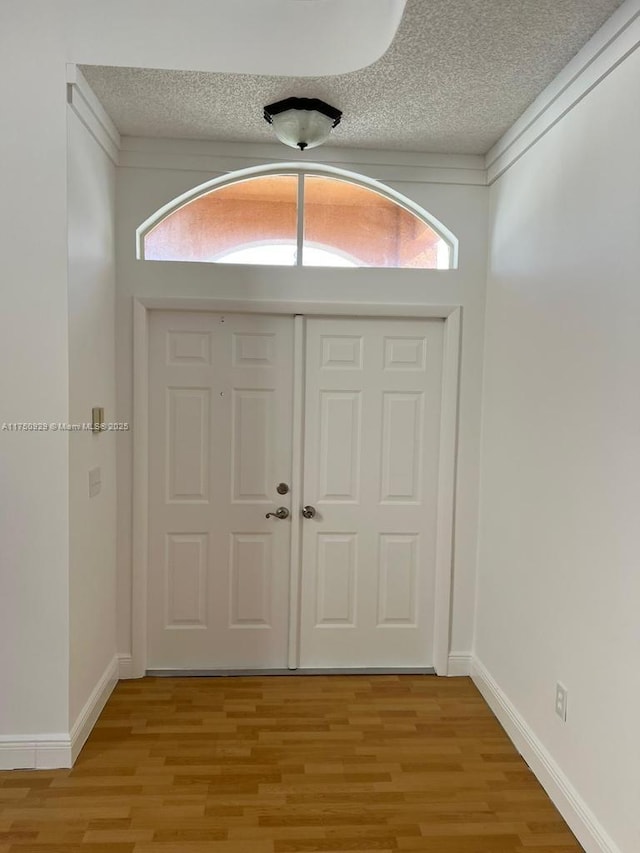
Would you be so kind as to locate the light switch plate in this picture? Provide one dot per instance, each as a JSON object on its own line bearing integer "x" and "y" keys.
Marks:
{"x": 97, "y": 418}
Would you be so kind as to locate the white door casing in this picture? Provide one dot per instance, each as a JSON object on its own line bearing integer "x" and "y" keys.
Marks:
{"x": 372, "y": 421}
{"x": 220, "y": 443}
{"x": 144, "y": 309}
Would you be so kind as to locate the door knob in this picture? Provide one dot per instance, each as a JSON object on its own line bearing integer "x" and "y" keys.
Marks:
{"x": 281, "y": 512}
{"x": 309, "y": 512}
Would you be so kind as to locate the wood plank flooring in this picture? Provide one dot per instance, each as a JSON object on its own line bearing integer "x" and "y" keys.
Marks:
{"x": 291, "y": 764}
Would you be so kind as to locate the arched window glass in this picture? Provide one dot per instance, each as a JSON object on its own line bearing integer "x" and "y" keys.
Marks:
{"x": 243, "y": 213}
{"x": 284, "y": 254}
{"x": 298, "y": 219}
{"x": 372, "y": 227}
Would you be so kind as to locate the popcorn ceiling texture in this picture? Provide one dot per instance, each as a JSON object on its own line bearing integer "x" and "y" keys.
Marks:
{"x": 457, "y": 75}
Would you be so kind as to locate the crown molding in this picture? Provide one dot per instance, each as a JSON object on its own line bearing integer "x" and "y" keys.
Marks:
{"x": 612, "y": 44}
{"x": 223, "y": 157}
{"x": 92, "y": 114}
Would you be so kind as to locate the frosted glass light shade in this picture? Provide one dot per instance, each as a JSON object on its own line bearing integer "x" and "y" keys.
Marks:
{"x": 302, "y": 129}
{"x": 302, "y": 122}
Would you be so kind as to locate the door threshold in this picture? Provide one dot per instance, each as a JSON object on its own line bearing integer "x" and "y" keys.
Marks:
{"x": 243, "y": 673}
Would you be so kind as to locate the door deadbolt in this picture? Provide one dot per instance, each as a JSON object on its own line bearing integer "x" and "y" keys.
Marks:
{"x": 282, "y": 489}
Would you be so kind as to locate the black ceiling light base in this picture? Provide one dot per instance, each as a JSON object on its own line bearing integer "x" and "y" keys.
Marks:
{"x": 302, "y": 122}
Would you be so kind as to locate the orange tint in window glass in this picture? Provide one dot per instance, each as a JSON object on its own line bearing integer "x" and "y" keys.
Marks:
{"x": 247, "y": 213}
{"x": 368, "y": 228}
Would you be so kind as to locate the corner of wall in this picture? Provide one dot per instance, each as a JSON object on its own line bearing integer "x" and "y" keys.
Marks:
{"x": 59, "y": 750}
{"x": 459, "y": 664}
{"x": 93, "y": 707}
{"x": 571, "y": 806}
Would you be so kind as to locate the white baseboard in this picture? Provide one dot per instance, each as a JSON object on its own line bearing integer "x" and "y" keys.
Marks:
{"x": 460, "y": 663}
{"x": 52, "y": 751}
{"x": 35, "y": 752}
{"x": 82, "y": 727}
{"x": 571, "y": 806}
{"x": 125, "y": 667}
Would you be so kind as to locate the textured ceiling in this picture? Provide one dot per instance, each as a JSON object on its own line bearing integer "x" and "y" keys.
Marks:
{"x": 457, "y": 75}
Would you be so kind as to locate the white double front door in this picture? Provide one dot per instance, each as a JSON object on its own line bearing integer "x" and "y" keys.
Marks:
{"x": 351, "y": 586}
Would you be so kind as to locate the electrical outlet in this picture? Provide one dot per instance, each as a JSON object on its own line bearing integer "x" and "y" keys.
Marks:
{"x": 561, "y": 701}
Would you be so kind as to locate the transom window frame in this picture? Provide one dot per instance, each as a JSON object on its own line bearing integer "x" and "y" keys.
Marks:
{"x": 301, "y": 170}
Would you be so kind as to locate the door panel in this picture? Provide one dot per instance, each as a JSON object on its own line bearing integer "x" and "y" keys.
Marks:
{"x": 401, "y": 446}
{"x": 253, "y": 415}
{"x": 340, "y": 451}
{"x": 336, "y": 574}
{"x": 186, "y": 580}
{"x": 220, "y": 442}
{"x": 188, "y": 438}
{"x": 251, "y": 570}
{"x": 372, "y": 420}
{"x": 397, "y": 579}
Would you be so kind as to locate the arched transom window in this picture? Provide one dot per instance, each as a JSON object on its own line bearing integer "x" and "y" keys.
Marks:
{"x": 297, "y": 218}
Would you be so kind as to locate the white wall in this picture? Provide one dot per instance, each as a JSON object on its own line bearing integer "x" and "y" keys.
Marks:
{"x": 559, "y": 585}
{"x": 144, "y": 186}
{"x": 34, "y": 498}
{"x": 92, "y": 567}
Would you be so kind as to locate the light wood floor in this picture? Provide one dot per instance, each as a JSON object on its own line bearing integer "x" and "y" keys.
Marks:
{"x": 286, "y": 764}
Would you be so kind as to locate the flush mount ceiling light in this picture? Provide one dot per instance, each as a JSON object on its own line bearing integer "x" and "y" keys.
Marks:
{"x": 302, "y": 122}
